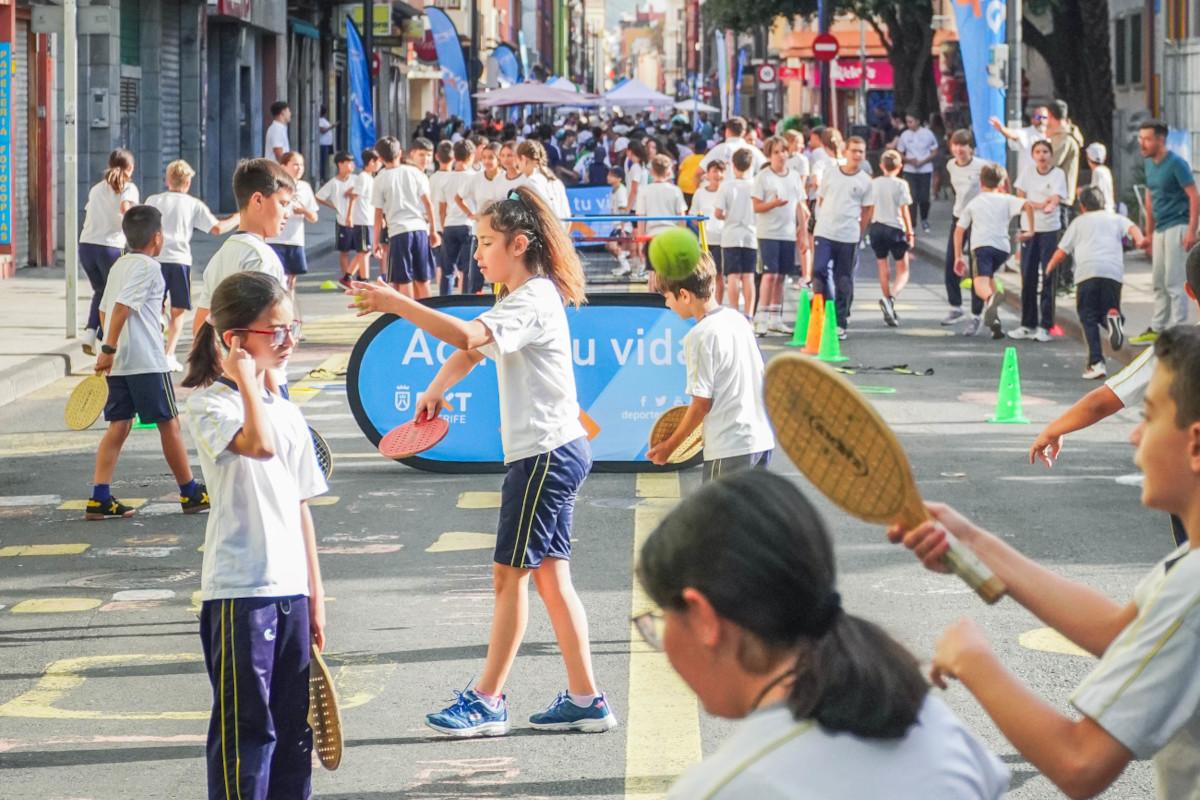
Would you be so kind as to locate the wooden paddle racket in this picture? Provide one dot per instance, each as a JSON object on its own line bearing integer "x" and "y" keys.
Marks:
{"x": 323, "y": 715}
{"x": 413, "y": 437}
{"x": 846, "y": 450}
{"x": 86, "y": 402}
{"x": 324, "y": 457}
{"x": 667, "y": 424}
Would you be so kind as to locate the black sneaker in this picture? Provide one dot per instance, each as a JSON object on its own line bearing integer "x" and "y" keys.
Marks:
{"x": 345, "y": 280}
{"x": 108, "y": 509}
{"x": 197, "y": 502}
{"x": 1116, "y": 331}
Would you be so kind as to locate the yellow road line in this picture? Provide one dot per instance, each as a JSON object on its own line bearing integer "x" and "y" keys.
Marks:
{"x": 479, "y": 500}
{"x": 42, "y": 550}
{"x": 55, "y": 605}
{"x": 663, "y": 721}
{"x": 81, "y": 505}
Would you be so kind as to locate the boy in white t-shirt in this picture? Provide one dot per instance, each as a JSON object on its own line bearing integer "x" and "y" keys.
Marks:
{"x": 891, "y": 231}
{"x": 659, "y": 198}
{"x": 456, "y": 223}
{"x": 844, "y": 201}
{"x": 724, "y": 379}
{"x": 1095, "y": 238}
{"x": 781, "y": 217}
{"x": 401, "y": 197}
{"x": 339, "y": 193}
{"x": 988, "y": 217}
{"x": 440, "y": 184}
{"x": 362, "y": 213}
{"x": 181, "y": 214}
{"x": 139, "y": 382}
{"x": 963, "y": 170}
{"x": 1102, "y": 177}
{"x": 288, "y": 244}
{"x": 618, "y": 238}
{"x": 739, "y": 233}
{"x": 704, "y": 204}
{"x": 1142, "y": 699}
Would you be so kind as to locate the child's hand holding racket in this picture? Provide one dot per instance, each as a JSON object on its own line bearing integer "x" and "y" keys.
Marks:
{"x": 104, "y": 362}
{"x": 929, "y": 542}
{"x": 316, "y": 620}
{"x": 374, "y": 297}
{"x": 430, "y": 406}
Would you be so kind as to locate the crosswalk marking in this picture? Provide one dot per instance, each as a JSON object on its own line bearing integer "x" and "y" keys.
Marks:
{"x": 81, "y": 505}
{"x": 663, "y": 726}
{"x": 43, "y": 550}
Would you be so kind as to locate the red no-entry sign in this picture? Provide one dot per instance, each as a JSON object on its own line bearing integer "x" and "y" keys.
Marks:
{"x": 825, "y": 47}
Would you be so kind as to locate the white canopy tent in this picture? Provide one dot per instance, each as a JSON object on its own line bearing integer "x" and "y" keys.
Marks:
{"x": 692, "y": 105}
{"x": 534, "y": 94}
{"x": 635, "y": 94}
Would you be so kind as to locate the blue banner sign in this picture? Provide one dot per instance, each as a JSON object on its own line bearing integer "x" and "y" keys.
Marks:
{"x": 506, "y": 60}
{"x": 362, "y": 114}
{"x": 6, "y": 121}
{"x": 590, "y": 201}
{"x": 454, "y": 67}
{"x": 981, "y": 24}
{"x": 629, "y": 369}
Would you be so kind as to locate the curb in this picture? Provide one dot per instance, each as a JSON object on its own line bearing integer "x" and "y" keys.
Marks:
{"x": 1064, "y": 315}
{"x": 43, "y": 369}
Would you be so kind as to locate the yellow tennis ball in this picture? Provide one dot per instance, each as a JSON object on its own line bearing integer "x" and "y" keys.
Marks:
{"x": 674, "y": 253}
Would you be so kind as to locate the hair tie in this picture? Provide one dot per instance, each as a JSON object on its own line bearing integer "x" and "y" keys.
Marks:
{"x": 827, "y": 614}
{"x": 208, "y": 320}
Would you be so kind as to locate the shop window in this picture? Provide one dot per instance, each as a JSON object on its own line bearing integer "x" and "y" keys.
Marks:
{"x": 1135, "y": 48}
{"x": 131, "y": 32}
{"x": 1120, "y": 73}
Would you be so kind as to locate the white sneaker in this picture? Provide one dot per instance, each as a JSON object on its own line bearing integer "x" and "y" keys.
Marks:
{"x": 1042, "y": 335}
{"x": 760, "y": 327}
{"x": 1095, "y": 372}
{"x": 841, "y": 333}
{"x": 973, "y": 326}
{"x": 173, "y": 364}
{"x": 1021, "y": 333}
{"x": 89, "y": 341}
{"x": 954, "y": 316}
{"x": 777, "y": 325}
{"x": 622, "y": 271}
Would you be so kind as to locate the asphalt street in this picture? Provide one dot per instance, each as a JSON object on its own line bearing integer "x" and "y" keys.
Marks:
{"x": 102, "y": 687}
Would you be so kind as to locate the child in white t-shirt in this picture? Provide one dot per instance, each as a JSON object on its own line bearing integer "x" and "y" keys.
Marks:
{"x": 339, "y": 193}
{"x": 1095, "y": 238}
{"x": 739, "y": 234}
{"x": 484, "y": 187}
{"x": 443, "y": 183}
{"x": 844, "y": 200}
{"x": 100, "y": 238}
{"x": 401, "y": 197}
{"x": 618, "y": 204}
{"x": 659, "y": 198}
{"x": 704, "y": 204}
{"x": 525, "y": 251}
{"x": 262, "y": 598}
{"x": 782, "y": 224}
{"x": 456, "y": 223}
{"x": 891, "y": 231}
{"x": 988, "y": 217}
{"x": 1102, "y": 177}
{"x": 288, "y": 244}
{"x": 181, "y": 214}
{"x": 963, "y": 170}
{"x": 139, "y": 382}
{"x": 724, "y": 379}
{"x": 362, "y": 214}
{"x": 1045, "y": 185}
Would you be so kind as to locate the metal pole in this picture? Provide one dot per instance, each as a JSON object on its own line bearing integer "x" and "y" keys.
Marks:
{"x": 862, "y": 66}
{"x": 826, "y": 67}
{"x": 472, "y": 75}
{"x": 70, "y": 165}
{"x": 368, "y": 40}
{"x": 1012, "y": 100}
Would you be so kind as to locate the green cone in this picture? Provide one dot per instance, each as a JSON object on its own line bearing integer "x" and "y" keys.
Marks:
{"x": 802, "y": 313}
{"x": 831, "y": 348}
{"x": 1008, "y": 398}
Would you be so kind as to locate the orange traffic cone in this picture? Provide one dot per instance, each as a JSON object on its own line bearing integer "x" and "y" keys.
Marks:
{"x": 816, "y": 324}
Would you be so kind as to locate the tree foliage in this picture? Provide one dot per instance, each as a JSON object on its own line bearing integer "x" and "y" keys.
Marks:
{"x": 1077, "y": 52}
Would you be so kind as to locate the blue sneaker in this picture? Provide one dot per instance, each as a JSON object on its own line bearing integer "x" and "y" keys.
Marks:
{"x": 564, "y": 715}
{"x": 469, "y": 716}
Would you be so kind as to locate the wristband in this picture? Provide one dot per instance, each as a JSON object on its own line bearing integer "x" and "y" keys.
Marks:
{"x": 108, "y": 349}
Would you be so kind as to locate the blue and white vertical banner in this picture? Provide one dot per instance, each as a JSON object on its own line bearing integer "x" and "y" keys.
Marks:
{"x": 6, "y": 123}
{"x": 722, "y": 73}
{"x": 981, "y": 24}
{"x": 506, "y": 61}
{"x": 362, "y": 113}
{"x": 737, "y": 83}
{"x": 455, "y": 80}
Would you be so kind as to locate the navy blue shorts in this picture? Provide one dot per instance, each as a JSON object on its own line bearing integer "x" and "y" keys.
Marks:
{"x": 714, "y": 250}
{"x": 353, "y": 239}
{"x": 148, "y": 395}
{"x": 409, "y": 258}
{"x": 383, "y": 235}
{"x": 178, "y": 278}
{"x": 739, "y": 260}
{"x": 293, "y": 258}
{"x": 989, "y": 260}
{"x": 537, "y": 504}
{"x": 886, "y": 240}
{"x": 778, "y": 256}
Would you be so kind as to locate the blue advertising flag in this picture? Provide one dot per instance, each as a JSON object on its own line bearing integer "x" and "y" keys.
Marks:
{"x": 737, "y": 84}
{"x": 454, "y": 68}
{"x": 981, "y": 24}
{"x": 722, "y": 73}
{"x": 362, "y": 115}
{"x": 506, "y": 60}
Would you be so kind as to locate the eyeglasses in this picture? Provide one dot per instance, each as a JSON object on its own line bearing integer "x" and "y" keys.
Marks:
{"x": 279, "y": 334}
{"x": 1039, "y": 116}
{"x": 651, "y": 626}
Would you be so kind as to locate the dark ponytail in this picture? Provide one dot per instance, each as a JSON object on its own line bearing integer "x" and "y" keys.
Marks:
{"x": 755, "y": 547}
{"x": 236, "y": 303}
{"x": 550, "y": 251}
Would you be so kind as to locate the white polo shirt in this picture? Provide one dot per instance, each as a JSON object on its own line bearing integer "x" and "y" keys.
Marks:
{"x": 842, "y": 198}
{"x": 1039, "y": 188}
{"x": 724, "y": 365}
{"x": 136, "y": 281}
{"x": 1095, "y": 238}
{"x": 334, "y": 193}
{"x": 965, "y": 182}
{"x": 1145, "y": 692}
{"x": 918, "y": 144}
{"x": 254, "y": 542}
{"x": 293, "y": 229}
{"x": 539, "y": 410}
{"x": 181, "y": 214}
{"x": 102, "y": 215}
{"x": 891, "y": 195}
{"x": 739, "y": 226}
{"x": 779, "y": 223}
{"x": 241, "y": 252}
{"x": 398, "y": 191}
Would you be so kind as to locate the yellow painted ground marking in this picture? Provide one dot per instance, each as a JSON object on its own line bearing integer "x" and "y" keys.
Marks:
{"x": 28, "y": 444}
{"x": 358, "y": 680}
{"x": 1049, "y": 640}
{"x": 81, "y": 505}
{"x": 43, "y": 550}
{"x": 196, "y": 601}
{"x": 55, "y": 605}
{"x": 302, "y": 394}
{"x": 452, "y": 541}
{"x": 339, "y": 329}
{"x": 663, "y": 726}
{"x": 479, "y": 500}
{"x": 323, "y": 500}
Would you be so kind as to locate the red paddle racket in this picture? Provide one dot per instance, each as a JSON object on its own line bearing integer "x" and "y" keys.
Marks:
{"x": 413, "y": 437}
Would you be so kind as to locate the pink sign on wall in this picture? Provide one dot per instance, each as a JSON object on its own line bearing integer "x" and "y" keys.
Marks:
{"x": 847, "y": 73}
